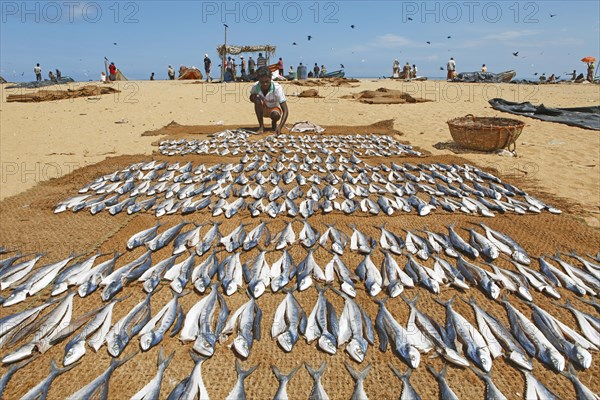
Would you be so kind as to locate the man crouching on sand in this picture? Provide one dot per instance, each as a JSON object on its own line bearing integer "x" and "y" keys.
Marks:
{"x": 269, "y": 101}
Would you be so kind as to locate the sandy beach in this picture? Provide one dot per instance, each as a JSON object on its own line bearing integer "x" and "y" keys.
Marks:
{"x": 50, "y": 150}
{"x": 40, "y": 141}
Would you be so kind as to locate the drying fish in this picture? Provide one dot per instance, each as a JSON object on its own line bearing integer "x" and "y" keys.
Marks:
{"x": 98, "y": 388}
{"x": 171, "y": 313}
{"x": 15, "y": 324}
{"x": 288, "y": 323}
{"x": 507, "y": 245}
{"x": 545, "y": 351}
{"x": 370, "y": 274}
{"x": 187, "y": 240}
{"x": 582, "y": 392}
{"x": 180, "y": 273}
{"x": 449, "y": 274}
{"x": 318, "y": 391}
{"x": 496, "y": 334}
{"x": 388, "y": 328}
{"x": 408, "y": 392}
{"x": 539, "y": 281}
{"x": 258, "y": 276}
{"x": 431, "y": 330}
{"x": 305, "y": 271}
{"x": 390, "y": 241}
{"x": 100, "y": 323}
{"x": 323, "y": 324}
{"x": 231, "y": 274}
{"x": 535, "y": 390}
{"x": 199, "y": 321}
{"x": 355, "y": 327}
{"x": 445, "y": 392}
{"x": 589, "y": 324}
{"x": 256, "y": 235}
{"x": 153, "y": 275}
{"x": 247, "y": 321}
{"x": 478, "y": 276}
{"x": 424, "y": 275}
{"x": 586, "y": 281}
{"x": 439, "y": 242}
{"x": 394, "y": 278}
{"x": 359, "y": 378}
{"x": 164, "y": 238}
{"x": 152, "y": 390}
{"x": 511, "y": 281}
{"x": 36, "y": 281}
{"x": 69, "y": 275}
{"x": 13, "y": 274}
{"x": 338, "y": 239}
{"x": 283, "y": 380}
{"x": 203, "y": 273}
{"x": 114, "y": 282}
{"x": 483, "y": 245}
{"x": 285, "y": 238}
{"x": 213, "y": 234}
{"x": 40, "y": 391}
{"x": 308, "y": 236}
{"x": 492, "y": 392}
{"x": 359, "y": 241}
{"x": 477, "y": 348}
{"x": 235, "y": 239}
{"x": 128, "y": 326}
{"x": 282, "y": 271}
{"x": 417, "y": 245}
{"x": 460, "y": 244}
{"x": 4, "y": 379}
{"x": 239, "y": 392}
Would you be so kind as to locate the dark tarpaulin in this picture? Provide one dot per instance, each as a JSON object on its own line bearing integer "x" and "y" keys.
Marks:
{"x": 485, "y": 77}
{"x": 44, "y": 83}
{"x": 583, "y": 117}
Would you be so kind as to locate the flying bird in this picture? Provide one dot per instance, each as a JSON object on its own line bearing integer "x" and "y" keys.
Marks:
{"x": 441, "y": 68}
{"x": 409, "y": 18}
{"x": 535, "y": 74}
{"x": 309, "y": 37}
{"x": 552, "y": 15}
{"x": 226, "y": 26}
{"x": 449, "y": 37}
{"x": 294, "y": 44}
{"x": 352, "y": 26}
{"x": 115, "y": 43}
{"x": 516, "y": 54}
{"x": 428, "y": 42}
{"x": 342, "y": 65}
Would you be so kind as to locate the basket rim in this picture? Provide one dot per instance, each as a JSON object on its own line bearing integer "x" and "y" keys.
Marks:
{"x": 457, "y": 121}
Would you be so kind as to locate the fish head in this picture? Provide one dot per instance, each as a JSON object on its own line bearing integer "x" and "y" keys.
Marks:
{"x": 394, "y": 289}
{"x": 177, "y": 286}
{"x": 349, "y": 289}
{"x": 258, "y": 289}
{"x": 556, "y": 360}
{"x": 410, "y": 354}
{"x": 285, "y": 341}
{"x": 115, "y": 348}
{"x": 74, "y": 353}
{"x": 110, "y": 290}
{"x": 146, "y": 340}
{"x": 374, "y": 290}
{"x": 583, "y": 357}
{"x": 521, "y": 360}
{"x": 231, "y": 288}
{"x": 357, "y": 348}
{"x": 205, "y": 345}
{"x": 241, "y": 346}
{"x": 492, "y": 289}
{"x": 485, "y": 358}
{"x": 494, "y": 252}
{"x": 521, "y": 257}
{"x": 327, "y": 343}
{"x": 201, "y": 284}
{"x": 305, "y": 283}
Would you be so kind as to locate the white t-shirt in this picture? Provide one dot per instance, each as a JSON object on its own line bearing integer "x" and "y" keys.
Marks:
{"x": 451, "y": 65}
{"x": 274, "y": 97}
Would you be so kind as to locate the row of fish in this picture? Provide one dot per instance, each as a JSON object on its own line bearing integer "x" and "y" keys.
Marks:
{"x": 546, "y": 338}
{"x": 381, "y": 189}
{"x": 232, "y": 143}
{"x": 19, "y": 275}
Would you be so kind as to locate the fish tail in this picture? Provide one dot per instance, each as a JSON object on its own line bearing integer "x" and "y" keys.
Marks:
{"x": 399, "y": 374}
{"x": 411, "y": 303}
{"x": 358, "y": 376}
{"x": 434, "y": 372}
{"x": 116, "y": 363}
{"x": 199, "y": 358}
{"x": 244, "y": 373}
{"x": 318, "y": 373}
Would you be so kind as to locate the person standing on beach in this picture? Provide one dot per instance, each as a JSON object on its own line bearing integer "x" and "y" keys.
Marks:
{"x": 207, "y": 65}
{"x": 323, "y": 71}
{"x": 38, "y": 72}
{"x": 251, "y": 66}
{"x": 269, "y": 101}
{"x": 280, "y": 66}
{"x": 396, "y": 69}
{"x": 171, "y": 73}
{"x": 112, "y": 72}
{"x": 414, "y": 71}
{"x": 51, "y": 76}
{"x": 261, "y": 61}
{"x": 316, "y": 71}
{"x": 58, "y": 75}
{"x": 152, "y": 76}
{"x": 590, "y": 71}
{"x": 451, "y": 68}
{"x": 483, "y": 68}
{"x": 242, "y": 67}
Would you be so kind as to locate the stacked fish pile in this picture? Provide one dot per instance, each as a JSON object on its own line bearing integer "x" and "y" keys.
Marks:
{"x": 233, "y": 143}
{"x": 302, "y": 186}
{"x": 209, "y": 321}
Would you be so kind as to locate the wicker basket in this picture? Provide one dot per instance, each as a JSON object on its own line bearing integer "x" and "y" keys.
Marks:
{"x": 485, "y": 133}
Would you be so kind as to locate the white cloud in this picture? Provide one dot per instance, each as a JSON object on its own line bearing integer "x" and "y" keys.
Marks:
{"x": 511, "y": 35}
{"x": 389, "y": 40}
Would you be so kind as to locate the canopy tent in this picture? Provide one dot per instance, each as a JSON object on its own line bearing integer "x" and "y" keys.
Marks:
{"x": 224, "y": 50}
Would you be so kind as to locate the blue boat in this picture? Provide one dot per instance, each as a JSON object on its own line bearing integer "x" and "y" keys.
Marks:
{"x": 334, "y": 74}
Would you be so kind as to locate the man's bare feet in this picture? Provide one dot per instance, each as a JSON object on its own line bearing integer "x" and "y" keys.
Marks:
{"x": 260, "y": 131}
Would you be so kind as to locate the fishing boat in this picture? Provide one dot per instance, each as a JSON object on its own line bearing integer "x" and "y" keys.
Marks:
{"x": 334, "y": 74}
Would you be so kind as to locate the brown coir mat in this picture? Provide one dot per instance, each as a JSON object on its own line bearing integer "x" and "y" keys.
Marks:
{"x": 28, "y": 224}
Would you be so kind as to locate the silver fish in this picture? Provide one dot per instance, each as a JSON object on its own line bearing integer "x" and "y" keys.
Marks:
{"x": 231, "y": 274}
{"x": 359, "y": 241}
{"x": 238, "y": 392}
{"x": 322, "y": 324}
{"x": 282, "y": 271}
{"x": 98, "y": 388}
{"x": 69, "y": 275}
{"x": 12, "y": 274}
{"x": 128, "y": 326}
{"x": 204, "y": 272}
{"x": 388, "y": 328}
{"x": 4, "y": 379}
{"x": 150, "y": 334}
{"x": 390, "y": 241}
{"x": 368, "y": 272}
{"x": 460, "y": 244}
{"x": 258, "y": 276}
{"x": 318, "y": 391}
{"x": 359, "y": 377}
{"x": 235, "y": 239}
{"x": 288, "y": 323}
{"x": 152, "y": 390}
{"x": 535, "y": 390}
{"x": 283, "y": 380}
{"x": 286, "y": 237}
{"x": 445, "y": 392}
{"x": 355, "y": 327}
{"x": 153, "y": 275}
{"x": 256, "y": 235}
{"x": 205, "y": 244}
{"x": 517, "y": 252}
{"x": 247, "y": 320}
{"x": 582, "y": 391}
{"x": 492, "y": 392}
{"x": 164, "y": 238}
{"x": 408, "y": 392}
{"x": 40, "y": 391}
{"x": 308, "y": 236}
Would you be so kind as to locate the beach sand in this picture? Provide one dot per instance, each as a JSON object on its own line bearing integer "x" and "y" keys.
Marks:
{"x": 40, "y": 141}
{"x": 75, "y": 141}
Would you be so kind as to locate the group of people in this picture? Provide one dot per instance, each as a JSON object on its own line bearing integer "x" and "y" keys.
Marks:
{"x": 38, "y": 74}
{"x": 407, "y": 73}
{"x": 247, "y": 71}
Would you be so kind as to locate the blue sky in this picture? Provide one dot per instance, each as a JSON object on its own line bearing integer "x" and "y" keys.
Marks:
{"x": 149, "y": 35}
